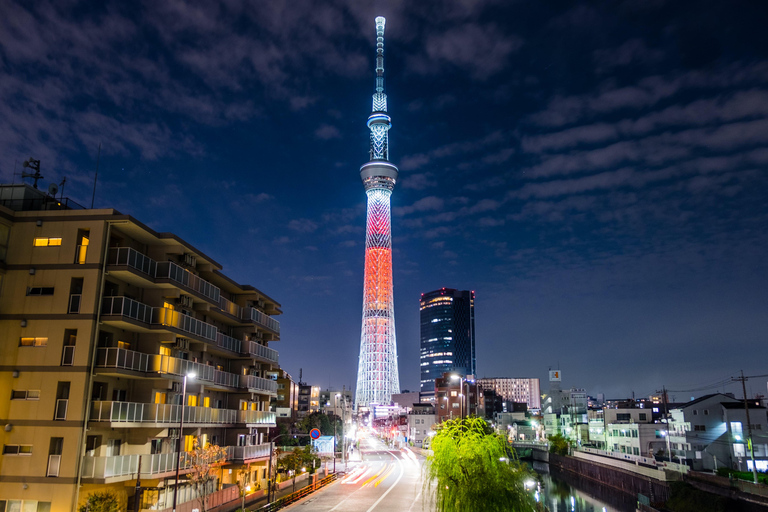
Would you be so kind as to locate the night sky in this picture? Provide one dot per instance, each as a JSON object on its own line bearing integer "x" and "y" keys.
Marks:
{"x": 595, "y": 171}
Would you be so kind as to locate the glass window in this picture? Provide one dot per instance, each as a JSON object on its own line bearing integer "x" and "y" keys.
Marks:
{"x": 44, "y": 241}
{"x": 33, "y": 342}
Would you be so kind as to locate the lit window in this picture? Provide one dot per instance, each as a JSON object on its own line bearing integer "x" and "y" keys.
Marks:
{"x": 33, "y": 342}
{"x": 44, "y": 241}
{"x": 165, "y": 351}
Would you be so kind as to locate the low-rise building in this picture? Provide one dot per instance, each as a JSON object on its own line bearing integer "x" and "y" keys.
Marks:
{"x": 421, "y": 419}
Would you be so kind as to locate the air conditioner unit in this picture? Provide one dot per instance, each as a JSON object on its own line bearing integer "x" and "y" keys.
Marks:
{"x": 182, "y": 344}
{"x": 176, "y": 387}
{"x": 261, "y": 303}
{"x": 185, "y": 301}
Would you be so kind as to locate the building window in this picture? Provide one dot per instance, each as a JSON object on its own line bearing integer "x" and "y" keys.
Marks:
{"x": 23, "y": 394}
{"x": 54, "y": 456}
{"x": 82, "y": 246}
{"x": 17, "y": 449}
{"x": 695, "y": 412}
{"x": 45, "y": 241}
{"x": 33, "y": 342}
{"x": 62, "y": 400}
{"x": 40, "y": 290}
{"x": 700, "y": 428}
{"x": 68, "y": 350}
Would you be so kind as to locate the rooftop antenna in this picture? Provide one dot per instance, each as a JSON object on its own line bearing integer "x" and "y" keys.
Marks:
{"x": 98, "y": 157}
{"x": 35, "y": 166}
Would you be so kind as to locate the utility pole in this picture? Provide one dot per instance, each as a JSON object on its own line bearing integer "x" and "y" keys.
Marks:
{"x": 743, "y": 380}
{"x": 666, "y": 415}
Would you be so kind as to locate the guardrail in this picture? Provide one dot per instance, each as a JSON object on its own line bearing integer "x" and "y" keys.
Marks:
{"x": 296, "y": 496}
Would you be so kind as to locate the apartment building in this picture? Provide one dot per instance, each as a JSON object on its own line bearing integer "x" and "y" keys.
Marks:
{"x": 102, "y": 319}
{"x": 526, "y": 391}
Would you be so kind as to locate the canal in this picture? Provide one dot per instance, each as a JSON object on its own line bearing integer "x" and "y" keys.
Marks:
{"x": 562, "y": 491}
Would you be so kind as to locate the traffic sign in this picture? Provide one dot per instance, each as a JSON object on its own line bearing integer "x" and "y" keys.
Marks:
{"x": 314, "y": 433}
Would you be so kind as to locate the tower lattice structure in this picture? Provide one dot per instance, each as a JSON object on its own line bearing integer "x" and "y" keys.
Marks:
{"x": 377, "y": 374}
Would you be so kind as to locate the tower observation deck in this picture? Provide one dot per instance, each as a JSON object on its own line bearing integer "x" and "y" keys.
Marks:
{"x": 377, "y": 374}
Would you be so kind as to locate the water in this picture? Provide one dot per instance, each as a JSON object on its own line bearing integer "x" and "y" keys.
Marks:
{"x": 562, "y": 491}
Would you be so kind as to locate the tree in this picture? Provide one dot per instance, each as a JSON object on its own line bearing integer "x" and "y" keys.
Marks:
{"x": 558, "y": 444}
{"x": 101, "y": 502}
{"x": 298, "y": 459}
{"x": 471, "y": 470}
{"x": 205, "y": 460}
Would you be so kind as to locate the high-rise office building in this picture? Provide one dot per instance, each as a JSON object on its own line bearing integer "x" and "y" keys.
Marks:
{"x": 526, "y": 391}
{"x": 377, "y": 375}
{"x": 447, "y": 336}
{"x": 104, "y": 320}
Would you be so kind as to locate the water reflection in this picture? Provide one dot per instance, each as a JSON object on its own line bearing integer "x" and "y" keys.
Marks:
{"x": 562, "y": 491}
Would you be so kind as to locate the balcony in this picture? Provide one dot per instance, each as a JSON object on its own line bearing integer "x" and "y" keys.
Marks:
{"x": 189, "y": 325}
{"x": 131, "y": 414}
{"x": 262, "y": 319}
{"x": 126, "y": 466}
{"x": 228, "y": 343}
{"x": 229, "y": 307}
{"x": 243, "y": 453}
{"x": 252, "y": 382}
{"x": 256, "y": 418}
{"x": 153, "y": 363}
{"x": 262, "y": 352}
{"x": 125, "y": 256}
{"x": 125, "y": 307}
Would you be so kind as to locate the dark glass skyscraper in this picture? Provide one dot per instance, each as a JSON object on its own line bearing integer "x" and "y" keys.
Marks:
{"x": 447, "y": 335}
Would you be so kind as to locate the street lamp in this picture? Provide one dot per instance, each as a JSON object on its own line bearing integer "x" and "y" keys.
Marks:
{"x": 189, "y": 376}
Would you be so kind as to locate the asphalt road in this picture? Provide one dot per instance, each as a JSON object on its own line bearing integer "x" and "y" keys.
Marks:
{"x": 381, "y": 480}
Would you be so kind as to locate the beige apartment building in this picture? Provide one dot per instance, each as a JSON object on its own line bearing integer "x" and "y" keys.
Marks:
{"x": 100, "y": 320}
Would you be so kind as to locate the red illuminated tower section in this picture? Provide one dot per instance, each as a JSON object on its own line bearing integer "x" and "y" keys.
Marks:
{"x": 377, "y": 375}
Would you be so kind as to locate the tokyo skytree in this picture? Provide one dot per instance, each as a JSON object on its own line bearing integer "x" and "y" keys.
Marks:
{"x": 377, "y": 375}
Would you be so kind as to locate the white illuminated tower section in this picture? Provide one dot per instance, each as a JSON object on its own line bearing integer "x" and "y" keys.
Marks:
{"x": 377, "y": 375}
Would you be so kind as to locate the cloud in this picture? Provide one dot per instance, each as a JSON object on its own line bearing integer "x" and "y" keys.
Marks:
{"x": 489, "y": 222}
{"x": 412, "y": 162}
{"x": 326, "y": 132}
{"x": 419, "y": 181}
{"x": 303, "y": 225}
{"x": 422, "y": 205}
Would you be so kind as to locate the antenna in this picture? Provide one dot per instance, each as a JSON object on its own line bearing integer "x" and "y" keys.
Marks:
{"x": 35, "y": 166}
{"x": 53, "y": 189}
{"x": 98, "y": 158}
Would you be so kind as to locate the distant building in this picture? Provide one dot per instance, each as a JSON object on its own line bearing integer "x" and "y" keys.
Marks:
{"x": 447, "y": 336}
{"x": 514, "y": 390}
{"x": 406, "y": 400}
{"x": 712, "y": 432}
{"x": 455, "y": 397}
{"x": 286, "y": 403}
{"x": 421, "y": 418}
{"x": 309, "y": 399}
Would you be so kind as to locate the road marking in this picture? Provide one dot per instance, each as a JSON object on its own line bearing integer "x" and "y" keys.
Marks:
{"x": 374, "y": 476}
{"x": 391, "y": 469}
{"x": 414, "y": 501}
{"x": 390, "y": 489}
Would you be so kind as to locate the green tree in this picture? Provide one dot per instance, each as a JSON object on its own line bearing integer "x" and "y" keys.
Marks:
{"x": 101, "y": 502}
{"x": 470, "y": 470}
{"x": 558, "y": 444}
{"x": 298, "y": 460}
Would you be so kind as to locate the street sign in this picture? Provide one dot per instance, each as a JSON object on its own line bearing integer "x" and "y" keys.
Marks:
{"x": 314, "y": 433}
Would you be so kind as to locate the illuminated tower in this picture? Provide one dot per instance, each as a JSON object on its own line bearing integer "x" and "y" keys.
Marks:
{"x": 377, "y": 376}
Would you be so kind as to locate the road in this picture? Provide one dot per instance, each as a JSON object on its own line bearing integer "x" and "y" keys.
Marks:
{"x": 379, "y": 480}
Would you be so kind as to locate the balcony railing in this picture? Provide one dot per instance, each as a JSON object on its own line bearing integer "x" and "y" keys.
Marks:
{"x": 186, "y": 323}
{"x": 131, "y": 412}
{"x": 228, "y": 343}
{"x": 140, "y": 362}
{"x": 248, "y": 452}
{"x": 230, "y": 307}
{"x": 258, "y": 350}
{"x": 262, "y": 319}
{"x": 185, "y": 278}
{"x": 123, "y": 306}
{"x": 134, "y": 259}
{"x": 258, "y": 383}
{"x": 256, "y": 417}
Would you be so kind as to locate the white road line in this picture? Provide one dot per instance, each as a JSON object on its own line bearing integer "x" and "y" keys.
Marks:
{"x": 393, "y": 485}
{"x": 414, "y": 501}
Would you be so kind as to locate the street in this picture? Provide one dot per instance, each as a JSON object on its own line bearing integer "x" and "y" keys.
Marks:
{"x": 373, "y": 474}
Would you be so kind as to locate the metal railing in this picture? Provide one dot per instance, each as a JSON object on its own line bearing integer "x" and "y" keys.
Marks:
{"x": 228, "y": 343}
{"x": 248, "y": 452}
{"x": 256, "y": 417}
{"x": 128, "y": 465}
{"x": 257, "y": 350}
{"x": 186, "y": 323}
{"x": 262, "y": 319}
{"x": 140, "y": 362}
{"x": 230, "y": 307}
{"x": 133, "y": 259}
{"x": 258, "y": 383}
{"x": 123, "y": 306}
{"x": 293, "y": 497}
{"x": 187, "y": 279}
{"x": 132, "y": 412}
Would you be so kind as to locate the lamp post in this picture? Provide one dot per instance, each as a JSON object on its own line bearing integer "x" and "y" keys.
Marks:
{"x": 178, "y": 441}
{"x": 271, "y": 446}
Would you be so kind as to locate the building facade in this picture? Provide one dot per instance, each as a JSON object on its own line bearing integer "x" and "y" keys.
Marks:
{"x": 447, "y": 319}
{"x": 526, "y": 391}
{"x": 377, "y": 373}
{"x": 102, "y": 319}
{"x": 455, "y": 397}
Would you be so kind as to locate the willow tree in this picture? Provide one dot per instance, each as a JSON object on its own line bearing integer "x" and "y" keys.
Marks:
{"x": 470, "y": 470}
